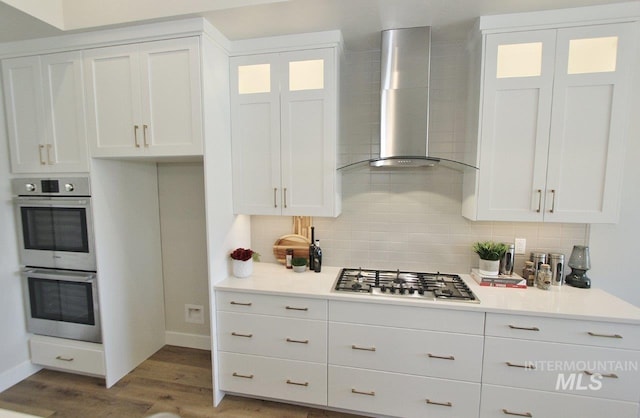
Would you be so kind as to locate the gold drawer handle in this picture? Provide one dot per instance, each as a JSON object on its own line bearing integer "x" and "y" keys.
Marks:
{"x": 519, "y": 414}
{"x": 40, "y": 148}
{"x": 64, "y": 358}
{"x": 524, "y": 328}
{"x": 135, "y": 135}
{"x": 244, "y": 376}
{"x": 372, "y": 393}
{"x": 235, "y": 334}
{"x": 233, "y": 302}
{"x": 441, "y": 357}
{"x": 593, "y": 334}
{"x": 290, "y": 382}
{"x": 355, "y": 347}
{"x": 522, "y": 366}
{"x": 291, "y": 308}
{"x": 289, "y": 340}
{"x": 609, "y": 375}
{"x": 430, "y": 402}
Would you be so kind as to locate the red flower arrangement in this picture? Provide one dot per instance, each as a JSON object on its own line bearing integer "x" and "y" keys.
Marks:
{"x": 244, "y": 254}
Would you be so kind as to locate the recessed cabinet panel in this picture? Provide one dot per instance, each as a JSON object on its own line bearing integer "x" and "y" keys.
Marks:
{"x": 519, "y": 60}
{"x": 254, "y": 79}
{"x": 306, "y": 75}
{"x": 592, "y": 55}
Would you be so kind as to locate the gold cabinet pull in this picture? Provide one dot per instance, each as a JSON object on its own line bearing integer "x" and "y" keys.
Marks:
{"x": 285, "y": 197}
{"x": 135, "y": 135}
{"x": 289, "y": 340}
{"x": 40, "y": 148}
{"x": 355, "y": 347}
{"x": 291, "y": 382}
{"x": 64, "y": 358}
{"x": 430, "y": 402}
{"x": 522, "y": 366}
{"x": 372, "y": 393}
{"x": 553, "y": 201}
{"x": 609, "y": 375}
{"x": 233, "y": 302}
{"x": 292, "y": 308}
{"x": 524, "y": 328}
{"x": 275, "y": 197}
{"x": 244, "y": 376}
{"x": 49, "y": 154}
{"x": 518, "y": 414}
{"x": 593, "y": 334}
{"x": 539, "y": 200}
{"x": 144, "y": 135}
{"x": 236, "y": 334}
{"x": 441, "y": 357}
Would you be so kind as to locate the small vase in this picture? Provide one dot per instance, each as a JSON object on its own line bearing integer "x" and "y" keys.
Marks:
{"x": 242, "y": 269}
{"x": 489, "y": 267}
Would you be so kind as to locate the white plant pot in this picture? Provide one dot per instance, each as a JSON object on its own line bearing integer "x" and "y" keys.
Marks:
{"x": 242, "y": 269}
{"x": 489, "y": 267}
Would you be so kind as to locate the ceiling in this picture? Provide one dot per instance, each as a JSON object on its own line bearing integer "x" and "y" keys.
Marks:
{"x": 359, "y": 20}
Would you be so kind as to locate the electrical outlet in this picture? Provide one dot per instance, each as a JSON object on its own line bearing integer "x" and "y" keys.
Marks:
{"x": 194, "y": 314}
{"x": 521, "y": 245}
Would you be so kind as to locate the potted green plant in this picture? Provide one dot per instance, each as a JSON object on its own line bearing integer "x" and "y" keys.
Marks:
{"x": 299, "y": 264}
{"x": 490, "y": 254}
{"x": 242, "y": 260}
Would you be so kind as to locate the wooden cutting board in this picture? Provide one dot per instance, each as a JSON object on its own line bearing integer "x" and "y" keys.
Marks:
{"x": 298, "y": 243}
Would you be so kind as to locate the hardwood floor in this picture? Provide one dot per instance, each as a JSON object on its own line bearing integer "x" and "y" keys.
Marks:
{"x": 175, "y": 379}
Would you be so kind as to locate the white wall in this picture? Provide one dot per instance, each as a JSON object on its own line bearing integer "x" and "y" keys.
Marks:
{"x": 614, "y": 248}
{"x": 409, "y": 219}
{"x": 14, "y": 352}
{"x": 184, "y": 247}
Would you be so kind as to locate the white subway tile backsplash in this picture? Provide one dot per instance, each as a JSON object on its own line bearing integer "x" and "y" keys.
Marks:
{"x": 409, "y": 219}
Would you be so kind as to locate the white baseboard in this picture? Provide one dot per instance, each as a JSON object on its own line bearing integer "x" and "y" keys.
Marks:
{"x": 17, "y": 374}
{"x": 202, "y": 342}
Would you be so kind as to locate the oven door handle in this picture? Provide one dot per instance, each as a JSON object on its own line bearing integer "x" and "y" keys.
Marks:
{"x": 55, "y": 202}
{"x": 63, "y": 276}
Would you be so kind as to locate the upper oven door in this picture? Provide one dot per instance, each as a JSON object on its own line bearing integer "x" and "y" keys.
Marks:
{"x": 56, "y": 232}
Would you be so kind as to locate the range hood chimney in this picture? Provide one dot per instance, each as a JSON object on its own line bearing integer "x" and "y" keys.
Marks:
{"x": 404, "y": 102}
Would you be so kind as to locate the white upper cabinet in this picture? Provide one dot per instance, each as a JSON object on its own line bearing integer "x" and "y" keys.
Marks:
{"x": 284, "y": 133}
{"x": 144, "y": 99}
{"x": 45, "y": 113}
{"x": 553, "y": 112}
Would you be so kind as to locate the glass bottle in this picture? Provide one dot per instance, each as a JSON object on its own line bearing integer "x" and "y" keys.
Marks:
{"x": 529, "y": 273}
{"x": 543, "y": 281}
{"x": 317, "y": 257}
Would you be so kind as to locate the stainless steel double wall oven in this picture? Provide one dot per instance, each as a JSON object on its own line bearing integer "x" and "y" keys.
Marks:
{"x": 56, "y": 248}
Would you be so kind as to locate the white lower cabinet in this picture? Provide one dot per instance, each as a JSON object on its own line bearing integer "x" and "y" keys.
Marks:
{"x": 401, "y": 395}
{"x": 291, "y": 380}
{"x": 68, "y": 355}
{"x": 504, "y": 402}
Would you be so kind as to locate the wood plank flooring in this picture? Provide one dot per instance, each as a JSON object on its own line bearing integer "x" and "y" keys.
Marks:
{"x": 175, "y": 379}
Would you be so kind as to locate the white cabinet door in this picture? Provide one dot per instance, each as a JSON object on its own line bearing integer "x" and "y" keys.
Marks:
{"x": 284, "y": 133}
{"x": 45, "y": 112}
{"x": 66, "y": 139}
{"x": 113, "y": 101}
{"x": 255, "y": 132}
{"x": 589, "y": 115}
{"x": 144, "y": 100}
{"x": 25, "y": 113}
{"x": 516, "y": 111}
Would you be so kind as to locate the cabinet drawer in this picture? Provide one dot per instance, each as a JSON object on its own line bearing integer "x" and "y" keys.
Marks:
{"x": 507, "y": 402}
{"x": 580, "y": 370}
{"x": 274, "y": 378}
{"x": 296, "y": 339}
{"x": 426, "y": 353}
{"x": 68, "y": 355}
{"x": 291, "y": 307}
{"x": 401, "y": 395}
{"x": 432, "y": 319}
{"x": 603, "y": 334}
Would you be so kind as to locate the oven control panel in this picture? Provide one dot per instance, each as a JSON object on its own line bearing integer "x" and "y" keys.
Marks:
{"x": 64, "y": 186}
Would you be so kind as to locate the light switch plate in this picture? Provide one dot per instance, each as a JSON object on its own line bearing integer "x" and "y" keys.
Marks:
{"x": 194, "y": 314}
{"x": 521, "y": 245}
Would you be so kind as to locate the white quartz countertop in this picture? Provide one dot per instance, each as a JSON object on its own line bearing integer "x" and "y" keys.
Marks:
{"x": 562, "y": 302}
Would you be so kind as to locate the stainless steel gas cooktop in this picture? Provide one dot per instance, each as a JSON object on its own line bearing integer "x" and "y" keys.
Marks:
{"x": 404, "y": 284}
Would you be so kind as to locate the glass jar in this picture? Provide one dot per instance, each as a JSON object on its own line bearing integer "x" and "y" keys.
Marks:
{"x": 543, "y": 280}
{"x": 529, "y": 273}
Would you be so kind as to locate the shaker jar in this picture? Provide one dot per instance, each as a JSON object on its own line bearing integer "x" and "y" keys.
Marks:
{"x": 529, "y": 273}
{"x": 543, "y": 280}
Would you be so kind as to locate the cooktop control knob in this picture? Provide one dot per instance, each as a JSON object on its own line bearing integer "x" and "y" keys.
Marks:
{"x": 402, "y": 290}
{"x": 412, "y": 290}
{"x": 383, "y": 288}
{"x": 30, "y": 187}
{"x": 69, "y": 187}
{"x": 392, "y": 289}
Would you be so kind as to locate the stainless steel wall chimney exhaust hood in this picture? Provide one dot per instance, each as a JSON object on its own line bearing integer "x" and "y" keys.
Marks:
{"x": 404, "y": 101}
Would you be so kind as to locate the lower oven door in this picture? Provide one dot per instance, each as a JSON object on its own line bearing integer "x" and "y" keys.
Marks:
{"x": 62, "y": 303}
